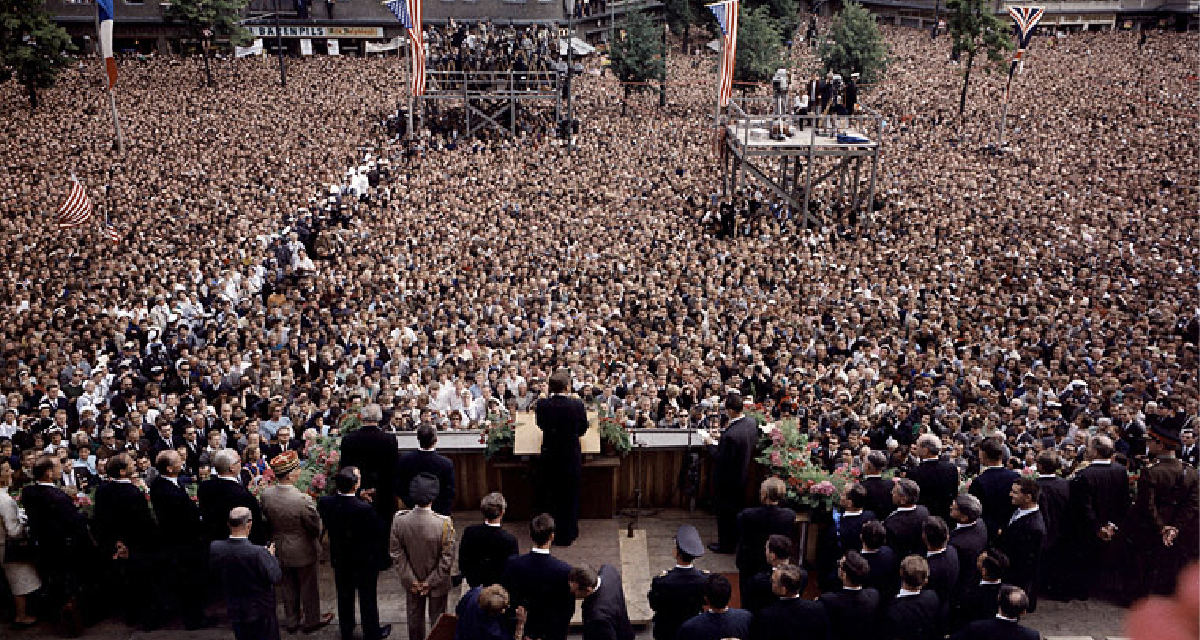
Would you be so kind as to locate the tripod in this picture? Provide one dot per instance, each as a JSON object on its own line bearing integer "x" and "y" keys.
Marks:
{"x": 636, "y": 512}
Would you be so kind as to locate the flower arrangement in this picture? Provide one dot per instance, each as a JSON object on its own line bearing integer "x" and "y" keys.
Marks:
{"x": 787, "y": 452}
{"x": 499, "y": 434}
{"x": 323, "y": 455}
{"x": 614, "y": 434}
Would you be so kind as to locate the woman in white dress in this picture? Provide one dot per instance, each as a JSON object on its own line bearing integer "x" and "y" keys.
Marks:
{"x": 22, "y": 577}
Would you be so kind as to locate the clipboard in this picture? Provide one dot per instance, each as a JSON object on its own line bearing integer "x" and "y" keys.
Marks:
{"x": 527, "y": 437}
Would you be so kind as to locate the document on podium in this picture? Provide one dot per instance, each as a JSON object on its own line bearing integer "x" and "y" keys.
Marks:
{"x": 527, "y": 437}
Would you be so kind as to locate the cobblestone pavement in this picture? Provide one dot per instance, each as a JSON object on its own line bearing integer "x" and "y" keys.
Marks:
{"x": 598, "y": 543}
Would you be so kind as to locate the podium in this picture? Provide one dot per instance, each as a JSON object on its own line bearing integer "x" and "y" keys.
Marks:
{"x": 527, "y": 437}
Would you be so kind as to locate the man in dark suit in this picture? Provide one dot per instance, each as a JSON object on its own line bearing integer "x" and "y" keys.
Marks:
{"x": 64, "y": 545}
{"x": 969, "y": 537}
{"x": 563, "y": 420}
{"x": 719, "y": 622}
{"x": 854, "y": 514}
{"x": 731, "y": 463}
{"x": 1054, "y": 504}
{"x": 943, "y": 564}
{"x": 937, "y": 478}
{"x": 1189, "y": 453}
{"x": 358, "y": 551}
{"x": 676, "y": 596}
{"x": 1005, "y": 624}
{"x": 284, "y": 441}
{"x": 184, "y": 550}
{"x": 538, "y": 582}
{"x": 757, "y": 593}
{"x": 221, "y": 494}
{"x": 604, "y": 613}
{"x": 426, "y": 460}
{"x": 1099, "y": 504}
{"x": 248, "y": 574}
{"x": 885, "y": 565}
{"x": 913, "y": 613}
{"x": 756, "y": 524}
{"x": 977, "y": 601}
{"x": 1021, "y": 539}
{"x": 992, "y": 486}
{"x": 852, "y": 610}
{"x": 127, "y": 534}
{"x": 879, "y": 490}
{"x": 375, "y": 454}
{"x": 485, "y": 548}
{"x": 790, "y": 616}
{"x": 905, "y": 525}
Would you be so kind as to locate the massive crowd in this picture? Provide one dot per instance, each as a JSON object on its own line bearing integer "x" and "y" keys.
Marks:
{"x": 260, "y": 287}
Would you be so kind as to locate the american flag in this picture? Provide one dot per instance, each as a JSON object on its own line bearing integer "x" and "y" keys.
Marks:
{"x": 727, "y": 16}
{"x": 408, "y": 12}
{"x": 1026, "y": 18}
{"x": 77, "y": 209}
{"x": 112, "y": 232}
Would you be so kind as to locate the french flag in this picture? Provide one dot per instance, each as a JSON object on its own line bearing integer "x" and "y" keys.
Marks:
{"x": 105, "y": 9}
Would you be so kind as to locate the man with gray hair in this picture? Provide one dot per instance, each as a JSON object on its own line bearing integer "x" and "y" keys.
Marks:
{"x": 375, "y": 454}
{"x": 1099, "y": 502}
{"x": 937, "y": 478}
{"x": 248, "y": 575}
{"x": 905, "y": 525}
{"x": 219, "y": 495}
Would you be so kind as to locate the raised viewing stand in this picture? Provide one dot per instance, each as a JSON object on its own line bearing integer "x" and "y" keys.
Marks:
{"x": 493, "y": 98}
{"x": 794, "y": 156}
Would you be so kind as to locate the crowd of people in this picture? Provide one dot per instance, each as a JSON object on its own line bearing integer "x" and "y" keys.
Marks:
{"x": 1042, "y": 300}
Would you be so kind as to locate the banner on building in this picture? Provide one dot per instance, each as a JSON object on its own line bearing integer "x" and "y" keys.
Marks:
{"x": 268, "y": 31}
{"x": 254, "y": 49}
{"x": 380, "y": 47}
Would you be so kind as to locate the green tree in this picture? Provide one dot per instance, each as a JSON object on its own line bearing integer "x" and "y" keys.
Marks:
{"x": 637, "y": 55}
{"x": 854, "y": 45}
{"x": 759, "y": 53}
{"x": 32, "y": 47}
{"x": 211, "y": 19}
{"x": 975, "y": 29}
{"x": 784, "y": 12}
{"x": 680, "y": 16}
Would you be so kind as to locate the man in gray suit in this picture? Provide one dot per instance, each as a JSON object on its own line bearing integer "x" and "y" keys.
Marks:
{"x": 248, "y": 575}
{"x": 421, "y": 547}
{"x": 296, "y": 531}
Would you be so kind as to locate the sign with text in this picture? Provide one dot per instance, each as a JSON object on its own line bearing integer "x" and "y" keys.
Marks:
{"x": 305, "y": 47}
{"x": 333, "y": 47}
{"x": 268, "y": 31}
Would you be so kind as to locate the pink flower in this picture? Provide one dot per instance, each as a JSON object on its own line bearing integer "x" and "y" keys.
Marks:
{"x": 318, "y": 481}
{"x": 268, "y": 475}
{"x": 776, "y": 459}
{"x": 776, "y": 436}
{"x": 82, "y": 500}
{"x": 824, "y": 488}
{"x": 334, "y": 456}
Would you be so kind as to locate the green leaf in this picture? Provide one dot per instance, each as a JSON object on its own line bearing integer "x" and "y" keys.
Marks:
{"x": 854, "y": 45}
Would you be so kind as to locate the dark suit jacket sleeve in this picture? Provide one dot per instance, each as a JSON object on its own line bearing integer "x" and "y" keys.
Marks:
{"x": 270, "y": 566}
{"x": 599, "y": 630}
{"x": 1084, "y": 506}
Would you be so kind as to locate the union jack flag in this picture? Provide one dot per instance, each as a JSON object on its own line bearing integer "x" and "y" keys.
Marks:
{"x": 726, "y": 13}
{"x": 76, "y": 209}
{"x": 1026, "y": 18}
{"x": 408, "y": 12}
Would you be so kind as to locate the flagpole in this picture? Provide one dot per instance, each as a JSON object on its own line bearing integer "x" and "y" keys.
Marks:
{"x": 112, "y": 99}
{"x": 1004, "y": 116}
{"x": 409, "y": 84}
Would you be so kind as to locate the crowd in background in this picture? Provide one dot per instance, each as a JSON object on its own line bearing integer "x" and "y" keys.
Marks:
{"x": 1046, "y": 296}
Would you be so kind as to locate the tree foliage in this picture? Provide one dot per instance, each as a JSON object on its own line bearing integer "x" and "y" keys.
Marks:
{"x": 975, "y": 29}
{"x": 759, "y": 53}
{"x": 219, "y": 17}
{"x": 32, "y": 47}
{"x": 854, "y": 45}
{"x": 637, "y": 55}
{"x": 785, "y": 13}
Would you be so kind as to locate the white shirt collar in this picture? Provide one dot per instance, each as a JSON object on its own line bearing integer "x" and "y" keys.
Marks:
{"x": 348, "y": 495}
{"x": 929, "y": 554}
{"x": 906, "y": 508}
{"x": 989, "y": 582}
{"x": 124, "y": 481}
{"x": 1001, "y": 617}
{"x": 685, "y": 566}
{"x": 852, "y": 513}
{"x": 965, "y": 526}
{"x": 429, "y": 450}
{"x": 1046, "y": 475}
{"x": 1021, "y": 513}
{"x": 1101, "y": 462}
{"x": 904, "y": 593}
{"x": 845, "y": 588}
{"x": 493, "y": 524}
{"x": 540, "y": 550}
{"x": 233, "y": 479}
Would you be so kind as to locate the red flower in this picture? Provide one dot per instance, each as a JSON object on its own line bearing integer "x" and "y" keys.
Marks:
{"x": 482, "y": 439}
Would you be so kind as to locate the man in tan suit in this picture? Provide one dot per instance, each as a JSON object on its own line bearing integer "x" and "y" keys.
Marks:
{"x": 296, "y": 532}
{"x": 421, "y": 546}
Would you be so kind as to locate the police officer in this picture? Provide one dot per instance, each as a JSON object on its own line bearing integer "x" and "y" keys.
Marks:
{"x": 1165, "y": 513}
{"x": 678, "y": 595}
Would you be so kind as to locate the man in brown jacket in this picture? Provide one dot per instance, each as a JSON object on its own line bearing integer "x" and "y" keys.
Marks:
{"x": 421, "y": 546}
{"x": 296, "y": 531}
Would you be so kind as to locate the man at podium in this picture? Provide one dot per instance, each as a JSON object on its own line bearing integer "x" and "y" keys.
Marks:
{"x": 562, "y": 419}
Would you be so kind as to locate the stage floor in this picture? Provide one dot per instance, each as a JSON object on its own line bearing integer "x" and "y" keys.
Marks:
{"x": 758, "y": 140}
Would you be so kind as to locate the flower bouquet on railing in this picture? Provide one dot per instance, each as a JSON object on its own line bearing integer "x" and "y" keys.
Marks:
{"x": 614, "y": 436}
{"x": 787, "y": 453}
{"x": 324, "y": 454}
{"x": 499, "y": 435}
